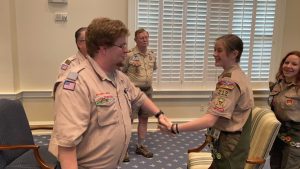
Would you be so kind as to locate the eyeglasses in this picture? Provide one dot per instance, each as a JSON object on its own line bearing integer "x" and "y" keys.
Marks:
{"x": 123, "y": 46}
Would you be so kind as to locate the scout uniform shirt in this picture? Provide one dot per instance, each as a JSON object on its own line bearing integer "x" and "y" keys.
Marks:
{"x": 232, "y": 100}
{"x": 70, "y": 62}
{"x": 286, "y": 101}
{"x": 92, "y": 113}
{"x": 139, "y": 67}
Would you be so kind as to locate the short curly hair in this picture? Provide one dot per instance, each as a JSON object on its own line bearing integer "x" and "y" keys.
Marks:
{"x": 103, "y": 32}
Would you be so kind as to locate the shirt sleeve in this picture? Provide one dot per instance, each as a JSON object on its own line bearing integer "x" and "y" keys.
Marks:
{"x": 72, "y": 113}
{"x": 224, "y": 99}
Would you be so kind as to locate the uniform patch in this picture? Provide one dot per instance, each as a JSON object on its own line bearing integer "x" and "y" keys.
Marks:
{"x": 219, "y": 104}
{"x": 222, "y": 92}
{"x": 225, "y": 84}
{"x": 289, "y": 102}
{"x": 69, "y": 85}
{"x": 104, "y": 99}
{"x": 64, "y": 66}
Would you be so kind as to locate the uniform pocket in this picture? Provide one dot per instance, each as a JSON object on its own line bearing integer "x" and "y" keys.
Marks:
{"x": 107, "y": 115}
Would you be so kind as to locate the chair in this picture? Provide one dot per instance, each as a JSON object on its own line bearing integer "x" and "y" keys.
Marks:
{"x": 264, "y": 130}
{"x": 17, "y": 148}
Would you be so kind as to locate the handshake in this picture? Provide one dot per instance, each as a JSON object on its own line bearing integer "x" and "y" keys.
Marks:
{"x": 165, "y": 125}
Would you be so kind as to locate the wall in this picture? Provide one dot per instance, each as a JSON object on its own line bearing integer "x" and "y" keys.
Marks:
{"x": 32, "y": 45}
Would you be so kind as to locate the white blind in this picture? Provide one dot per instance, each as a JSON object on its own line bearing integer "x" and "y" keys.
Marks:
{"x": 183, "y": 33}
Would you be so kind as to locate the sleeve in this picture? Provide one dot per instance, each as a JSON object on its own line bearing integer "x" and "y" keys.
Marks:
{"x": 225, "y": 98}
{"x": 72, "y": 113}
{"x": 137, "y": 97}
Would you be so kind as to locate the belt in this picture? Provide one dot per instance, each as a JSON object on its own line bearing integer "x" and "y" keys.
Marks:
{"x": 232, "y": 132}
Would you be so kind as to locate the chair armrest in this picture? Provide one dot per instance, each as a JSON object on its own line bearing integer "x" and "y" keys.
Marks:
{"x": 255, "y": 160}
{"x": 41, "y": 127}
{"x": 35, "y": 148}
{"x": 208, "y": 139}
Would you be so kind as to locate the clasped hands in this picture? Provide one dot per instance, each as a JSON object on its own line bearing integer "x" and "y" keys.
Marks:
{"x": 166, "y": 126}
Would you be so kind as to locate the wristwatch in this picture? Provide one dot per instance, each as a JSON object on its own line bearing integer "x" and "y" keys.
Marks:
{"x": 158, "y": 114}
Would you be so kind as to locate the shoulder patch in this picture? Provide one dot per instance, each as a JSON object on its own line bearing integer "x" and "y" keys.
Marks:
{"x": 225, "y": 84}
{"x": 72, "y": 76}
{"x": 69, "y": 85}
{"x": 64, "y": 66}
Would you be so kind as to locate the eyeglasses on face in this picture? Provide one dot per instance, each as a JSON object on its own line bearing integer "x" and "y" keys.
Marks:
{"x": 122, "y": 46}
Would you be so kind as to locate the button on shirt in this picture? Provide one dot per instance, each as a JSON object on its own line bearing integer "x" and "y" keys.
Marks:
{"x": 139, "y": 67}
{"x": 94, "y": 116}
{"x": 232, "y": 100}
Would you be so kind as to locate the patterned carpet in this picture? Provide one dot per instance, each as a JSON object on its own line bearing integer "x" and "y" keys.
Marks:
{"x": 170, "y": 152}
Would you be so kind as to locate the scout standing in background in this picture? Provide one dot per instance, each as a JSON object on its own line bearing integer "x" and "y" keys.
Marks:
{"x": 229, "y": 112}
{"x": 285, "y": 102}
{"x": 139, "y": 67}
{"x": 79, "y": 57}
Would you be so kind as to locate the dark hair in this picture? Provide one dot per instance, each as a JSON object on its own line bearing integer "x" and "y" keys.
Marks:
{"x": 78, "y": 32}
{"x": 103, "y": 32}
{"x": 140, "y": 30}
{"x": 280, "y": 75}
{"x": 232, "y": 42}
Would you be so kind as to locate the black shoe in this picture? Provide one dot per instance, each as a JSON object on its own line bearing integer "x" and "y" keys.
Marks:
{"x": 142, "y": 150}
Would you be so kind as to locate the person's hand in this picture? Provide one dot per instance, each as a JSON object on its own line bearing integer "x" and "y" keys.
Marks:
{"x": 165, "y": 124}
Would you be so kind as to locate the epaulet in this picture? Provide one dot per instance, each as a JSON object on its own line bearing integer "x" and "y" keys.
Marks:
{"x": 227, "y": 75}
{"x": 67, "y": 62}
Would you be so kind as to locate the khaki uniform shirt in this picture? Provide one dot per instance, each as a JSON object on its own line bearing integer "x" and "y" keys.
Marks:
{"x": 139, "y": 67}
{"x": 232, "y": 100}
{"x": 286, "y": 101}
{"x": 93, "y": 113}
{"x": 70, "y": 62}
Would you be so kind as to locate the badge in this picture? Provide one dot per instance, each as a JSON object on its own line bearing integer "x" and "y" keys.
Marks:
{"x": 64, "y": 66}
{"x": 222, "y": 92}
{"x": 289, "y": 102}
{"x": 68, "y": 62}
{"x": 225, "y": 84}
{"x": 69, "y": 85}
{"x": 220, "y": 104}
{"x": 104, "y": 99}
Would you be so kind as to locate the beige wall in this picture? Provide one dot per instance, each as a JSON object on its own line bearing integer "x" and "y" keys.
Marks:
{"x": 32, "y": 45}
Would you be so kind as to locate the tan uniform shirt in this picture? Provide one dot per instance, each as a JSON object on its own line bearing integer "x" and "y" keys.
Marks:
{"x": 232, "y": 100}
{"x": 69, "y": 63}
{"x": 139, "y": 67}
{"x": 286, "y": 101}
{"x": 93, "y": 114}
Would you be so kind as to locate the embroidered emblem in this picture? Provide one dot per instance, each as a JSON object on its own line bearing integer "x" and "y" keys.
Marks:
{"x": 104, "y": 99}
{"x": 69, "y": 85}
{"x": 222, "y": 92}
{"x": 64, "y": 66}
{"x": 225, "y": 84}
{"x": 219, "y": 104}
{"x": 289, "y": 102}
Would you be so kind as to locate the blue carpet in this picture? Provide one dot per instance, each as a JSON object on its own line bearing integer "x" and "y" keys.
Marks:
{"x": 170, "y": 152}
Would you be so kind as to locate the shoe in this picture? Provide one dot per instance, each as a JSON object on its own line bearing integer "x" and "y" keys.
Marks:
{"x": 126, "y": 158}
{"x": 142, "y": 150}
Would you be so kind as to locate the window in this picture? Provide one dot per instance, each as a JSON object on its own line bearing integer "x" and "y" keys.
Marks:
{"x": 183, "y": 33}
